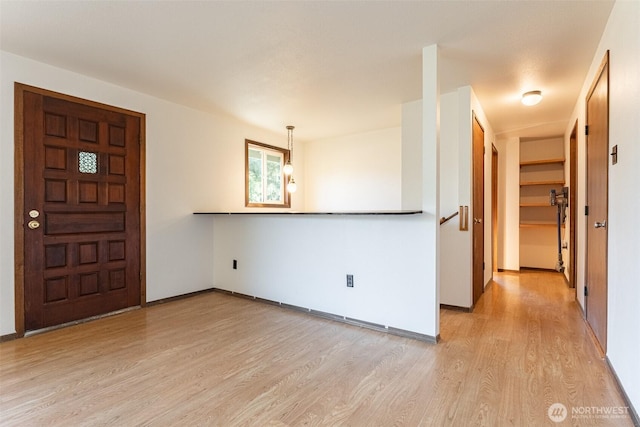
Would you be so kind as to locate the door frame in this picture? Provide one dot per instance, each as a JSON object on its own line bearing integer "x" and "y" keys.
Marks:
{"x": 18, "y": 162}
{"x": 494, "y": 209}
{"x": 477, "y": 216}
{"x": 573, "y": 205}
{"x": 603, "y": 69}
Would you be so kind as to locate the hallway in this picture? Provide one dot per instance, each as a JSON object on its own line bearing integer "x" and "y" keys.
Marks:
{"x": 524, "y": 348}
{"x": 215, "y": 359}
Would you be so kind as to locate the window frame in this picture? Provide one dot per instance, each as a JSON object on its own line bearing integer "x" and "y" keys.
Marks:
{"x": 285, "y": 158}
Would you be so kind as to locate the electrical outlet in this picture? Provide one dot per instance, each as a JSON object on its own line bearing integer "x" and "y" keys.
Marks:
{"x": 235, "y": 264}
{"x": 349, "y": 280}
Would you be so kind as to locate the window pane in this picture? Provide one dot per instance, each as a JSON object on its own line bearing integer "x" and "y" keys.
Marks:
{"x": 274, "y": 178}
{"x": 265, "y": 180}
{"x": 255, "y": 176}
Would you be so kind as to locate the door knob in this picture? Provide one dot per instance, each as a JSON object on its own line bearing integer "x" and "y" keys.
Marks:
{"x": 33, "y": 224}
{"x": 477, "y": 220}
{"x": 602, "y": 224}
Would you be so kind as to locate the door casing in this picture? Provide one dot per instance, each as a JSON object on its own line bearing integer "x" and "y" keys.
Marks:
{"x": 478, "y": 209}
{"x": 597, "y": 191}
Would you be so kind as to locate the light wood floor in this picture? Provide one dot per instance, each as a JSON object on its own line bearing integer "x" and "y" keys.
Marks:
{"x": 215, "y": 359}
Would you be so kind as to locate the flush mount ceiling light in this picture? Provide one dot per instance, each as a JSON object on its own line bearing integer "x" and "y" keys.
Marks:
{"x": 531, "y": 97}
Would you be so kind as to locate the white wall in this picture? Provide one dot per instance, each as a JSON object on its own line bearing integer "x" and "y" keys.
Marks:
{"x": 455, "y": 245}
{"x": 508, "y": 203}
{"x": 622, "y": 38}
{"x": 187, "y": 153}
{"x": 412, "y": 155}
{"x": 392, "y": 286}
{"x": 354, "y": 172}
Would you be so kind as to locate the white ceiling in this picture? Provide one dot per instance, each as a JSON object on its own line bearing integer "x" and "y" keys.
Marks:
{"x": 328, "y": 67}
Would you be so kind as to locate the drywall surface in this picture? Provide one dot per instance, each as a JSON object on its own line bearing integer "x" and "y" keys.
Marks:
{"x": 303, "y": 260}
{"x": 354, "y": 172}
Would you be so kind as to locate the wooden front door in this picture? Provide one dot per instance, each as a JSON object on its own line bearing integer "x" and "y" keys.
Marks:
{"x": 478, "y": 210}
{"x": 597, "y": 202}
{"x": 80, "y": 219}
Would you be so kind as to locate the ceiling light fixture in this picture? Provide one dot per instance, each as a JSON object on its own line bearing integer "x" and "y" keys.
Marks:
{"x": 288, "y": 167}
{"x": 531, "y": 97}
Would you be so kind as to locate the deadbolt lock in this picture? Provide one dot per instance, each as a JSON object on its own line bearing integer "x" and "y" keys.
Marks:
{"x": 34, "y": 213}
{"x": 33, "y": 225}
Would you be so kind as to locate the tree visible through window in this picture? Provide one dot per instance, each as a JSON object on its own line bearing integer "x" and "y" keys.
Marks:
{"x": 265, "y": 181}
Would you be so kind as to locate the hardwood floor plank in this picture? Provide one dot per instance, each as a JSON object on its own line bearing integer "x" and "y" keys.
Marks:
{"x": 214, "y": 359}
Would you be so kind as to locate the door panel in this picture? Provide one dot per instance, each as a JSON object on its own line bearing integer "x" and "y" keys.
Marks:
{"x": 597, "y": 201}
{"x": 81, "y": 212}
{"x": 478, "y": 210}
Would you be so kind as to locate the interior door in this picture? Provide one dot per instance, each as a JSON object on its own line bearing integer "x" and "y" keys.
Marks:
{"x": 81, "y": 216}
{"x": 478, "y": 210}
{"x": 597, "y": 202}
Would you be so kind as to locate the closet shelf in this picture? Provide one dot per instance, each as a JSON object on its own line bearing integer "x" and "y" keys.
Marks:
{"x": 536, "y": 205}
{"x": 542, "y": 162}
{"x": 538, "y": 225}
{"x": 554, "y": 182}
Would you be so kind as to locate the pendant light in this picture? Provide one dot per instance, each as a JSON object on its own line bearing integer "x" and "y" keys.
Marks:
{"x": 288, "y": 167}
{"x": 291, "y": 185}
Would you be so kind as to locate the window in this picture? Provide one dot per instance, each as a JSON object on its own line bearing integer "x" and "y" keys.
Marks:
{"x": 265, "y": 183}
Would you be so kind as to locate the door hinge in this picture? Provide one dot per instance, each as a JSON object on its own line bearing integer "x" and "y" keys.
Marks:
{"x": 586, "y": 210}
{"x": 586, "y": 292}
{"x": 586, "y": 129}
{"x": 482, "y": 265}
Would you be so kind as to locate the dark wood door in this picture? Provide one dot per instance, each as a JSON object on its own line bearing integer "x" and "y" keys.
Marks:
{"x": 597, "y": 201}
{"x": 478, "y": 210}
{"x": 81, "y": 216}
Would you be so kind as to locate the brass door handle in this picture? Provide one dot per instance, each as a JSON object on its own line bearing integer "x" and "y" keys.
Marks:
{"x": 33, "y": 224}
{"x": 602, "y": 224}
{"x": 477, "y": 220}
